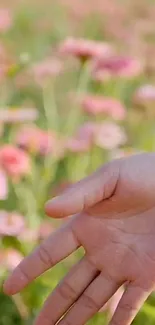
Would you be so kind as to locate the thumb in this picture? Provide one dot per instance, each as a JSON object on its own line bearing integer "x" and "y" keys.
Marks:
{"x": 85, "y": 193}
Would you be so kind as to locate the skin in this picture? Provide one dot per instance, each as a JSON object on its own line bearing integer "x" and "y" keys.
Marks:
{"x": 114, "y": 221}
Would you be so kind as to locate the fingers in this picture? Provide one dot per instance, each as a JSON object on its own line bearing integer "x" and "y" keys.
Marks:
{"x": 85, "y": 193}
{"x": 129, "y": 305}
{"x": 92, "y": 299}
{"x": 58, "y": 246}
{"x": 67, "y": 292}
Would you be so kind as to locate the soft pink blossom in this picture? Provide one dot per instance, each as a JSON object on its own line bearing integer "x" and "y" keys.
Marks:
{"x": 45, "y": 70}
{"x": 94, "y": 104}
{"x": 28, "y": 235}
{"x": 5, "y": 19}
{"x": 11, "y": 223}
{"x": 77, "y": 145}
{"x": 116, "y": 66}
{"x": 83, "y": 139}
{"x": 14, "y": 161}
{"x": 145, "y": 95}
{"x": 87, "y": 131}
{"x": 36, "y": 140}
{"x": 38, "y": 233}
{"x": 3, "y": 185}
{"x": 85, "y": 49}
{"x": 12, "y": 258}
{"x": 110, "y": 136}
{"x": 18, "y": 115}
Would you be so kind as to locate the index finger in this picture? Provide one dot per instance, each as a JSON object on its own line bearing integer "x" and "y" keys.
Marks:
{"x": 55, "y": 248}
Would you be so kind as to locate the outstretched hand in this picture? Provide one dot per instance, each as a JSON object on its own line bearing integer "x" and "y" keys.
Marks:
{"x": 114, "y": 220}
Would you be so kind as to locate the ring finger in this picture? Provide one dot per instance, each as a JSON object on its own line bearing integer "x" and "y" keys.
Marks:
{"x": 92, "y": 299}
{"x": 67, "y": 292}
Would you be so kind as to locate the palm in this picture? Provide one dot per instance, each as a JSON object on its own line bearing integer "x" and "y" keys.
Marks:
{"x": 116, "y": 228}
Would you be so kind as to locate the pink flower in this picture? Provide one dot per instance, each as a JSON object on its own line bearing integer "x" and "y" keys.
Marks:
{"x": 116, "y": 66}
{"x": 83, "y": 139}
{"x": 3, "y": 185}
{"x": 18, "y": 115}
{"x": 12, "y": 258}
{"x": 11, "y": 223}
{"x": 77, "y": 145}
{"x": 28, "y": 235}
{"x": 36, "y": 140}
{"x": 145, "y": 95}
{"x": 47, "y": 69}
{"x": 95, "y": 105}
{"x": 5, "y": 20}
{"x": 39, "y": 233}
{"x": 87, "y": 131}
{"x": 85, "y": 49}
{"x": 14, "y": 161}
{"x": 110, "y": 136}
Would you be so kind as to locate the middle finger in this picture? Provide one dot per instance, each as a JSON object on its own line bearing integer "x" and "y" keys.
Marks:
{"x": 67, "y": 292}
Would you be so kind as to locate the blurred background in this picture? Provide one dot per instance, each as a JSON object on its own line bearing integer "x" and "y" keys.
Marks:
{"x": 77, "y": 89}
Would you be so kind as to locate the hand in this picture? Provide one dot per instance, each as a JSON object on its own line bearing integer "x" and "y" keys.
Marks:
{"x": 114, "y": 220}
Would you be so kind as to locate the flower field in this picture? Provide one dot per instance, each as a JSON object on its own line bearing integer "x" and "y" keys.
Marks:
{"x": 77, "y": 89}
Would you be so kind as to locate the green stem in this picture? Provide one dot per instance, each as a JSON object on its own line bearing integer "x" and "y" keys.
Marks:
{"x": 74, "y": 117}
{"x": 21, "y": 307}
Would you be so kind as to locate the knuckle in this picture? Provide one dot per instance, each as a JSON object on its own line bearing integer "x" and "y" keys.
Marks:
{"x": 67, "y": 291}
{"x": 44, "y": 256}
{"x": 90, "y": 303}
{"x": 142, "y": 286}
{"x": 115, "y": 322}
{"x": 110, "y": 278}
{"x": 24, "y": 274}
{"x": 127, "y": 307}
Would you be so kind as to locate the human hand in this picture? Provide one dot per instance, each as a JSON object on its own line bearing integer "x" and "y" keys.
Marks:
{"x": 114, "y": 221}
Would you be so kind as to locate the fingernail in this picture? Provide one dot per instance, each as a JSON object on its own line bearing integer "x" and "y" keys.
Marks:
{"x": 51, "y": 202}
{"x": 48, "y": 203}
